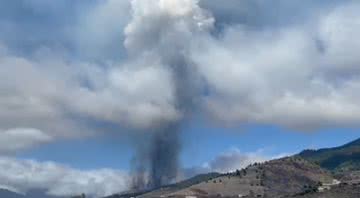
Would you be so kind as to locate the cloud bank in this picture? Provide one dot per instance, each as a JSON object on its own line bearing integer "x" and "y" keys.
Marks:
{"x": 20, "y": 139}
{"x": 298, "y": 76}
{"x": 229, "y": 161}
{"x": 234, "y": 159}
{"x": 60, "y": 180}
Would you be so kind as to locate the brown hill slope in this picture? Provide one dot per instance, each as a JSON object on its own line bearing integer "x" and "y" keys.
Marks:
{"x": 276, "y": 178}
{"x": 341, "y": 191}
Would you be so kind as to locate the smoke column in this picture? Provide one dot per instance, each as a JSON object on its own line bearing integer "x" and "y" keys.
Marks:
{"x": 160, "y": 33}
{"x": 165, "y": 147}
{"x": 156, "y": 162}
{"x": 161, "y": 155}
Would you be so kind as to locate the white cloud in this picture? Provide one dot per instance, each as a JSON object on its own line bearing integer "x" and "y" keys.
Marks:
{"x": 98, "y": 32}
{"x": 60, "y": 180}
{"x": 338, "y": 30}
{"x": 300, "y": 76}
{"x": 234, "y": 159}
{"x": 165, "y": 28}
{"x": 229, "y": 161}
{"x": 33, "y": 93}
{"x": 21, "y": 138}
{"x": 134, "y": 96}
{"x": 53, "y": 95}
{"x": 51, "y": 90}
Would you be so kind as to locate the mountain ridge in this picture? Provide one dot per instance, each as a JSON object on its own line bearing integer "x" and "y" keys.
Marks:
{"x": 300, "y": 175}
{"x": 336, "y": 159}
{"x": 6, "y": 193}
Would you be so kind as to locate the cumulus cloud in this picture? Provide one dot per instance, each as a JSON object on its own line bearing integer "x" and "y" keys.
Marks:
{"x": 32, "y": 93}
{"x": 53, "y": 89}
{"x": 234, "y": 159}
{"x": 19, "y": 139}
{"x": 295, "y": 76}
{"x": 53, "y": 95}
{"x": 230, "y": 161}
{"x": 98, "y": 31}
{"x": 58, "y": 179}
{"x": 136, "y": 97}
{"x": 163, "y": 27}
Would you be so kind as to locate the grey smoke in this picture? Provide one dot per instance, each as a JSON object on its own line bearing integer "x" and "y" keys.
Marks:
{"x": 162, "y": 152}
{"x": 165, "y": 144}
{"x": 162, "y": 30}
{"x": 164, "y": 156}
{"x": 156, "y": 161}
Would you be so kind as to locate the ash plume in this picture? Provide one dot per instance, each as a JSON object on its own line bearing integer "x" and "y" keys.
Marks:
{"x": 156, "y": 162}
{"x": 160, "y": 33}
{"x": 164, "y": 156}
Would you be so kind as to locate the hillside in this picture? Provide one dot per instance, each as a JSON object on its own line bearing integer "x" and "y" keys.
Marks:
{"x": 169, "y": 188}
{"x": 275, "y": 178}
{"x": 303, "y": 175}
{"x": 338, "y": 159}
{"x": 31, "y": 194}
{"x": 9, "y": 194}
{"x": 341, "y": 191}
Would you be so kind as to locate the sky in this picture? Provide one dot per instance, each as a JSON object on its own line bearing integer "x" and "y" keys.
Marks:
{"x": 85, "y": 84}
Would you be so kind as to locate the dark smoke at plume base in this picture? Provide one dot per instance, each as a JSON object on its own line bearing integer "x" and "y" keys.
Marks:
{"x": 157, "y": 163}
{"x": 164, "y": 154}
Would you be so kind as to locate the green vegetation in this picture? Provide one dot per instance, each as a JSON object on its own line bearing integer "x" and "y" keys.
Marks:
{"x": 339, "y": 159}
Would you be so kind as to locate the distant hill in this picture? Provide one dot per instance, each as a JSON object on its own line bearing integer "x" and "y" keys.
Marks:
{"x": 340, "y": 191}
{"x": 319, "y": 173}
{"x": 339, "y": 159}
{"x": 286, "y": 176}
{"x": 9, "y": 194}
{"x": 31, "y": 194}
{"x": 270, "y": 179}
{"x": 169, "y": 188}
